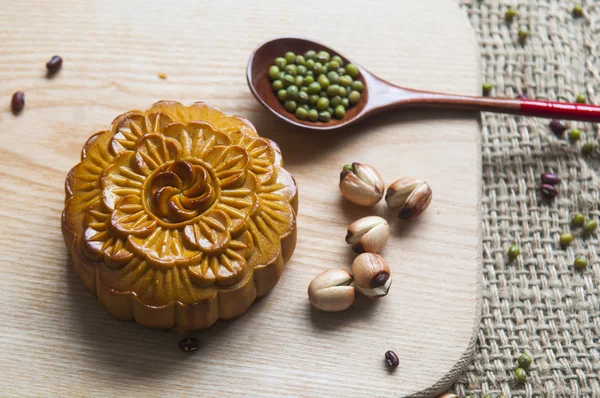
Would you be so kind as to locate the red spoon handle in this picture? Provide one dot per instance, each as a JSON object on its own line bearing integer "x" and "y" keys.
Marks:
{"x": 526, "y": 107}
{"x": 560, "y": 110}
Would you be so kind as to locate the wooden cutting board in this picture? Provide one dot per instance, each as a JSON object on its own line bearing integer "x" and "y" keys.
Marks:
{"x": 55, "y": 337}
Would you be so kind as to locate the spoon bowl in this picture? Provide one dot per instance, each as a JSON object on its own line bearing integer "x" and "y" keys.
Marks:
{"x": 260, "y": 84}
{"x": 378, "y": 95}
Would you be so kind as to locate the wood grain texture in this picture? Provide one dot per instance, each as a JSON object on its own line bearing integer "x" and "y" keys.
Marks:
{"x": 57, "y": 340}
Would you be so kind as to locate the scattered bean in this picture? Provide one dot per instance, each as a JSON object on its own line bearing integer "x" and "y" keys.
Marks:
{"x": 55, "y": 64}
{"x": 558, "y": 126}
{"x": 550, "y": 178}
{"x": 510, "y": 14}
{"x": 548, "y": 190}
{"x": 189, "y": 344}
{"x": 574, "y": 135}
{"x": 524, "y": 361}
{"x": 581, "y": 263}
{"x": 566, "y": 239}
{"x": 514, "y": 251}
{"x": 587, "y": 148}
{"x": 520, "y": 375}
{"x": 392, "y": 359}
{"x": 590, "y": 226}
{"x": 523, "y": 35}
{"x": 578, "y": 219}
{"x": 486, "y": 88}
{"x": 577, "y": 11}
{"x": 17, "y": 102}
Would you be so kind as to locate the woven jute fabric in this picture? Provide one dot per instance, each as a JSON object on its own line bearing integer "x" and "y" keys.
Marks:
{"x": 538, "y": 303}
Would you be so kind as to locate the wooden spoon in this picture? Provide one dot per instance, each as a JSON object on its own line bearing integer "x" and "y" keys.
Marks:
{"x": 379, "y": 95}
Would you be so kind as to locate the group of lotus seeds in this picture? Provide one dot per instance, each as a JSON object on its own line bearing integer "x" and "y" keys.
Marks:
{"x": 315, "y": 86}
{"x": 337, "y": 289}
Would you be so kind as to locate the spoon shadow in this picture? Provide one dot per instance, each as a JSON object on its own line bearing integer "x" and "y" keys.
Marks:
{"x": 300, "y": 146}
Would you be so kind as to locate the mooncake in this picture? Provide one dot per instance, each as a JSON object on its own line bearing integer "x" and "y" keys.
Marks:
{"x": 178, "y": 216}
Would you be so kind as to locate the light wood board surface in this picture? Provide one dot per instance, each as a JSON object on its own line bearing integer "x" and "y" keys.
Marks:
{"x": 55, "y": 337}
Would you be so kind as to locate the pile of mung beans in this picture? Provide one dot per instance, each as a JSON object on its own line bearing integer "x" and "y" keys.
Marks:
{"x": 315, "y": 86}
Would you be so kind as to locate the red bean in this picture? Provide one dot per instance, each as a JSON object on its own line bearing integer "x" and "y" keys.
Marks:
{"x": 18, "y": 102}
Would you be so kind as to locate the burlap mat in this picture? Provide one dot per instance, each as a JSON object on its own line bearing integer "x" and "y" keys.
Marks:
{"x": 539, "y": 303}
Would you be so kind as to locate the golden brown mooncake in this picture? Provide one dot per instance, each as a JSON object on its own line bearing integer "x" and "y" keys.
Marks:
{"x": 179, "y": 216}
